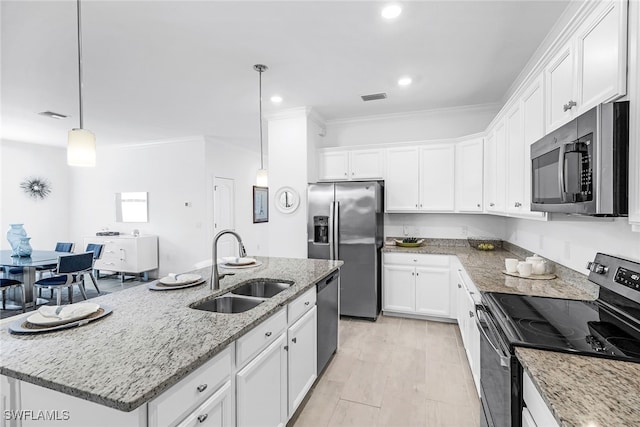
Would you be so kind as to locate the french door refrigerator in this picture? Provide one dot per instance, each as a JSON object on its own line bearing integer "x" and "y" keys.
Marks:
{"x": 345, "y": 222}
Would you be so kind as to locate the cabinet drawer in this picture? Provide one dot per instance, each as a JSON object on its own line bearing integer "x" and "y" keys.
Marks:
{"x": 261, "y": 336}
{"x": 214, "y": 412}
{"x": 538, "y": 409}
{"x": 301, "y": 305}
{"x": 416, "y": 259}
{"x": 191, "y": 391}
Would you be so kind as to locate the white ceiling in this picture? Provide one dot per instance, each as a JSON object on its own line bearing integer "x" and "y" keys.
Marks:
{"x": 167, "y": 69}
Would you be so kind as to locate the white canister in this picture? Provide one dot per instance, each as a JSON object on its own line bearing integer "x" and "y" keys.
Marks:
{"x": 525, "y": 268}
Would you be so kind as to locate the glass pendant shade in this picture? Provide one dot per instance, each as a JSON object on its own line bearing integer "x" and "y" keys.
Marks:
{"x": 262, "y": 178}
{"x": 81, "y": 148}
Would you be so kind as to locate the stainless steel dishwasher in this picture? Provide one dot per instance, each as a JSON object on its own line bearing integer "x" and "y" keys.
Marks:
{"x": 327, "y": 302}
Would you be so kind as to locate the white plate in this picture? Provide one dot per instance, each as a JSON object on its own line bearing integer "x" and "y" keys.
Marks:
{"x": 77, "y": 311}
{"x": 180, "y": 279}
{"x": 255, "y": 264}
{"x": 238, "y": 262}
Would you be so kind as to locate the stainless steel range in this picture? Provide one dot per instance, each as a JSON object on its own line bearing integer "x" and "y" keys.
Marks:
{"x": 607, "y": 327}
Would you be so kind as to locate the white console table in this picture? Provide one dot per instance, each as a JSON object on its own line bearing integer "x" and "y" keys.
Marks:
{"x": 126, "y": 254}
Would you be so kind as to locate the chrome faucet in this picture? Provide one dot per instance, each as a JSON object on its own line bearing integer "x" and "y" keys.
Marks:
{"x": 215, "y": 277}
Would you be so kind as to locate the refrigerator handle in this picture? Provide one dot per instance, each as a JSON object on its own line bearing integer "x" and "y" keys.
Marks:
{"x": 331, "y": 227}
{"x": 336, "y": 230}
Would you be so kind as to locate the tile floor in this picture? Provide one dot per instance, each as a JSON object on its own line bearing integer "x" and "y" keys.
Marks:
{"x": 395, "y": 372}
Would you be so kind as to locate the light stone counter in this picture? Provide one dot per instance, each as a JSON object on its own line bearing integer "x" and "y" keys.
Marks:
{"x": 580, "y": 390}
{"x": 150, "y": 341}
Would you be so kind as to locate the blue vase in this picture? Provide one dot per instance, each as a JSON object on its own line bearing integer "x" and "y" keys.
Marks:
{"x": 15, "y": 233}
{"x": 24, "y": 247}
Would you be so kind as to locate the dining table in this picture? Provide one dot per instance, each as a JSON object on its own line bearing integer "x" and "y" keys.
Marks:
{"x": 29, "y": 266}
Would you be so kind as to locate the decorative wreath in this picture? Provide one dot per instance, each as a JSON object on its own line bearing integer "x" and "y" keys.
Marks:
{"x": 37, "y": 188}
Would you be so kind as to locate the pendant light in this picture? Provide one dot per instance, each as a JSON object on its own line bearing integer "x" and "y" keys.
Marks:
{"x": 262, "y": 177}
{"x": 81, "y": 145}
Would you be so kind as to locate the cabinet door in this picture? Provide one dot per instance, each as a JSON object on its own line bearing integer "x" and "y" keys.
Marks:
{"x": 261, "y": 395}
{"x": 469, "y": 176}
{"x": 559, "y": 78}
{"x": 215, "y": 412}
{"x": 399, "y": 288}
{"x": 333, "y": 165}
{"x": 532, "y": 130}
{"x": 602, "y": 55}
{"x": 401, "y": 182}
{"x": 495, "y": 164}
{"x": 437, "y": 171}
{"x": 515, "y": 160}
{"x": 433, "y": 291}
{"x": 366, "y": 164}
{"x": 302, "y": 358}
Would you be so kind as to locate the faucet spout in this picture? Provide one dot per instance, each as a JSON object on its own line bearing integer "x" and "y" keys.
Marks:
{"x": 215, "y": 276}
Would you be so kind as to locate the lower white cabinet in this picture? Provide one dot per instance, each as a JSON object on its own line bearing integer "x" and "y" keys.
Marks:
{"x": 214, "y": 412}
{"x": 261, "y": 387}
{"x": 466, "y": 312}
{"x": 302, "y": 358}
{"x": 416, "y": 284}
{"x": 535, "y": 412}
{"x": 126, "y": 253}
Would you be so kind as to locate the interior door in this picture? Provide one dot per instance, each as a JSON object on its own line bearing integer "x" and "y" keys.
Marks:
{"x": 224, "y": 214}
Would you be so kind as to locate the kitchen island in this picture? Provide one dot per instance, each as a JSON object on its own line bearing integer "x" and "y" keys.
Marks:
{"x": 152, "y": 339}
{"x": 578, "y": 390}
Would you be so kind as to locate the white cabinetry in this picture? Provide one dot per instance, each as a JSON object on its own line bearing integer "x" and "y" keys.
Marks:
{"x": 495, "y": 175}
{"x": 416, "y": 284}
{"x": 535, "y": 412}
{"x": 591, "y": 68}
{"x": 125, "y": 253}
{"x": 515, "y": 160}
{"x": 261, "y": 395}
{"x": 214, "y": 412}
{"x": 466, "y": 302}
{"x": 420, "y": 179}
{"x": 469, "y": 175}
{"x": 302, "y": 361}
{"x": 342, "y": 165}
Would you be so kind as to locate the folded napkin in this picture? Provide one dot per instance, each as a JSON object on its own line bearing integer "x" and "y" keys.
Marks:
{"x": 70, "y": 311}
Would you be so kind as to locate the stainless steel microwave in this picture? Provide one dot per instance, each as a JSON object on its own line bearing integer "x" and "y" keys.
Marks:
{"x": 583, "y": 167}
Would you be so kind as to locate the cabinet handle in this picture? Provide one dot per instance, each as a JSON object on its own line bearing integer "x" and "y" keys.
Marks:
{"x": 202, "y": 417}
{"x": 353, "y": 173}
{"x": 492, "y": 204}
{"x": 459, "y": 286}
{"x": 478, "y": 205}
{"x": 294, "y": 340}
{"x": 517, "y": 204}
{"x": 202, "y": 387}
{"x": 470, "y": 313}
{"x": 568, "y": 106}
{"x": 416, "y": 205}
{"x": 420, "y": 204}
{"x": 267, "y": 334}
{"x": 346, "y": 174}
{"x": 286, "y": 348}
{"x": 306, "y": 303}
{"x": 412, "y": 273}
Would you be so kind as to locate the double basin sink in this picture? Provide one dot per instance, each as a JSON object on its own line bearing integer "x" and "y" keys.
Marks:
{"x": 245, "y": 297}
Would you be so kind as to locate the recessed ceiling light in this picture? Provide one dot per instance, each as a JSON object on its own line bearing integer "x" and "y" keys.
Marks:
{"x": 404, "y": 81}
{"x": 276, "y": 99}
{"x": 391, "y": 11}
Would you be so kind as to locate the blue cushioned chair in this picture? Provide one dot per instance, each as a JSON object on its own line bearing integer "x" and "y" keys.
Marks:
{"x": 70, "y": 271}
{"x": 97, "y": 251}
{"x": 5, "y": 285}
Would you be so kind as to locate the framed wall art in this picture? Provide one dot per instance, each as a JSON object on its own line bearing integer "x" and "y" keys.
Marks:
{"x": 260, "y": 204}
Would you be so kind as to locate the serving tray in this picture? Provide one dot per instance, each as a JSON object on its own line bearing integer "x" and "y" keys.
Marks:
{"x": 532, "y": 277}
{"x": 22, "y": 327}
{"x": 156, "y": 285}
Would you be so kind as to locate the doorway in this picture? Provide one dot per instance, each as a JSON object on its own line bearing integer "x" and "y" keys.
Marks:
{"x": 224, "y": 214}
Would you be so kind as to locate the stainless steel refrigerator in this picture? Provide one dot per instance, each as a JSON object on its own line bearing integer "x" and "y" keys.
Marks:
{"x": 345, "y": 222}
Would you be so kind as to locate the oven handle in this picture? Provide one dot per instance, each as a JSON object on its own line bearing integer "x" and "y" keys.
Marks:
{"x": 504, "y": 359}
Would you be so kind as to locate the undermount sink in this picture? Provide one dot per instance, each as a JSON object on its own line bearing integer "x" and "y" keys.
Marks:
{"x": 262, "y": 288}
{"x": 228, "y": 304}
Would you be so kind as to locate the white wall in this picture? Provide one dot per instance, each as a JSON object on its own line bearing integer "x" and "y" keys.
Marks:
{"x": 46, "y": 221}
{"x": 444, "y": 226}
{"x": 407, "y": 127}
{"x": 573, "y": 241}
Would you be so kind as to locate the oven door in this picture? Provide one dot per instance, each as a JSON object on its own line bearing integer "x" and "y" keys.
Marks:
{"x": 499, "y": 376}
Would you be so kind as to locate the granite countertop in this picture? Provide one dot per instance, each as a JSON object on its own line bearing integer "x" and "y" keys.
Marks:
{"x": 579, "y": 390}
{"x": 151, "y": 340}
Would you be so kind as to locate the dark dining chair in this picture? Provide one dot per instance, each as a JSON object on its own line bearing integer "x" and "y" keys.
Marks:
{"x": 5, "y": 285}
{"x": 50, "y": 268}
{"x": 69, "y": 271}
{"x": 96, "y": 249}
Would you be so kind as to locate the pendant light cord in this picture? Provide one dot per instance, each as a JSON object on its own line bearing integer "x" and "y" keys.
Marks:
{"x": 260, "y": 89}
{"x": 80, "y": 65}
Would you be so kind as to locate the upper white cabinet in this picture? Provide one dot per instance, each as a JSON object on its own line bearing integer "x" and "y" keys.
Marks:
{"x": 515, "y": 160}
{"x": 495, "y": 174}
{"x": 342, "y": 165}
{"x": 469, "y": 175}
{"x": 591, "y": 68}
{"x": 420, "y": 179}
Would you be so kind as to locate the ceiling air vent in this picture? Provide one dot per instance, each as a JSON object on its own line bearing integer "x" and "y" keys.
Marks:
{"x": 373, "y": 96}
{"x": 53, "y": 115}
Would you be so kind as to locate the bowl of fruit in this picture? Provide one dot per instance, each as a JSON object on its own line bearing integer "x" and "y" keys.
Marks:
{"x": 485, "y": 244}
{"x": 409, "y": 242}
